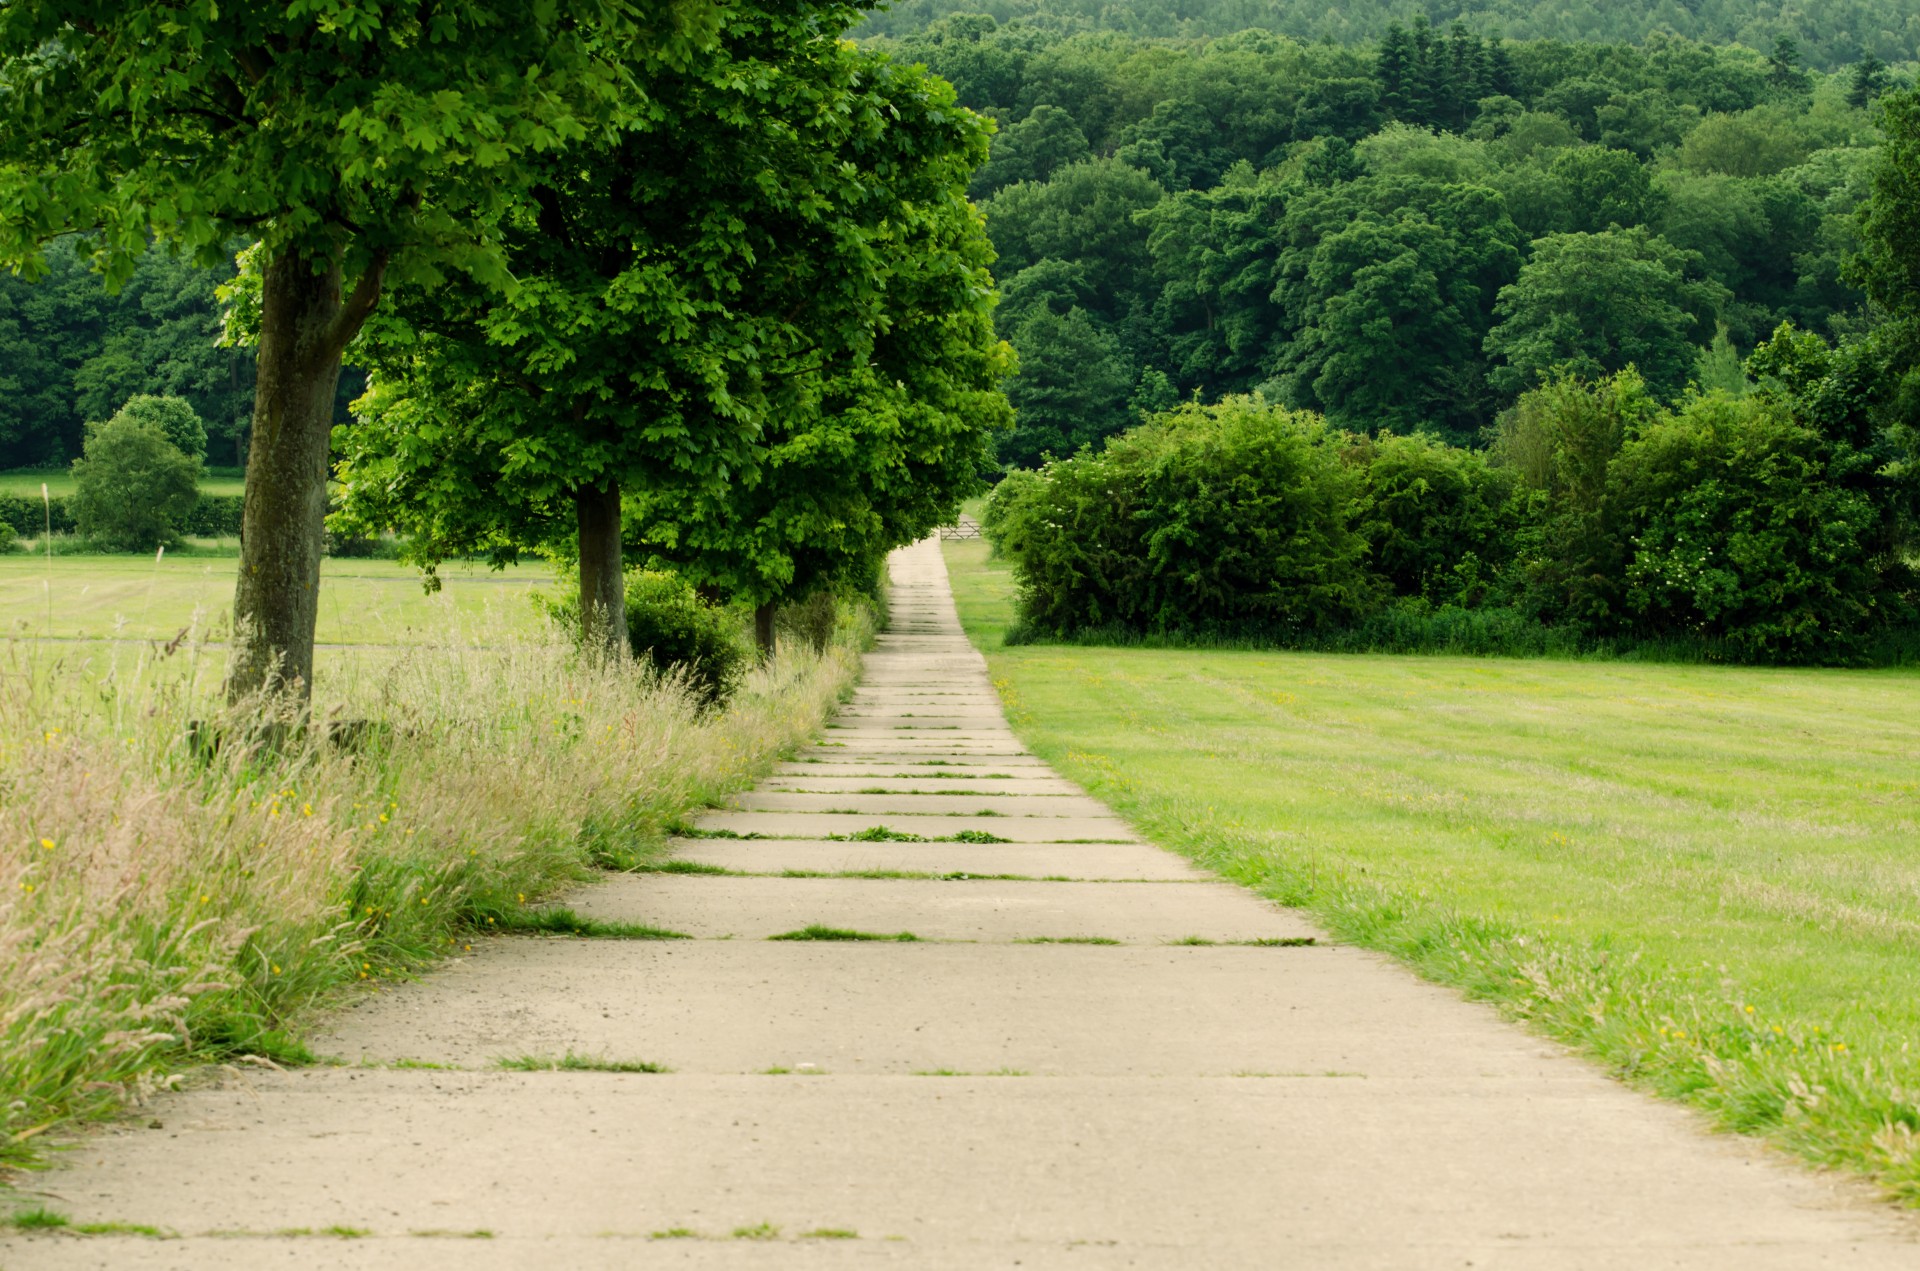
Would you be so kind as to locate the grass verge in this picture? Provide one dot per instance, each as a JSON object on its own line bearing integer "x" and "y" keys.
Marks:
{"x": 162, "y": 906}
{"x": 1703, "y": 877}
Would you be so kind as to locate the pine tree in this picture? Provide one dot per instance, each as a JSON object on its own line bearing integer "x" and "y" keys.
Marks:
{"x": 1869, "y": 81}
{"x": 1395, "y": 69}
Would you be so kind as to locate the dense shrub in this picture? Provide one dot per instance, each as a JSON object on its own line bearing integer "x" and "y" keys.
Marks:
{"x": 1741, "y": 529}
{"x": 8, "y": 538}
{"x": 216, "y": 516}
{"x": 29, "y": 514}
{"x": 133, "y": 487}
{"x": 1235, "y": 516}
{"x": 174, "y": 417}
{"x": 1439, "y": 520}
{"x": 669, "y": 623}
{"x": 1560, "y": 441}
{"x": 671, "y": 626}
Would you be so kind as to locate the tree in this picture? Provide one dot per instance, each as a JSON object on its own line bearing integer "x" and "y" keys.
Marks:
{"x": 133, "y": 487}
{"x": 1869, "y": 80}
{"x": 1072, "y": 387}
{"x": 361, "y": 145}
{"x": 782, "y": 278}
{"x": 1595, "y": 304}
{"x": 174, "y": 417}
{"x": 1605, "y": 188}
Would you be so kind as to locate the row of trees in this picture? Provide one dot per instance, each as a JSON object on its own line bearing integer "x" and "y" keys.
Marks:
{"x": 1344, "y": 230}
{"x": 698, "y": 281}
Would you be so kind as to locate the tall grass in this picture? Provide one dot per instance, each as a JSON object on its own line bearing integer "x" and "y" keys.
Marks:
{"x": 170, "y": 891}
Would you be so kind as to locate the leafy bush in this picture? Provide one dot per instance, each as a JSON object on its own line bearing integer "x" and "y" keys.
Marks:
{"x": 1560, "y": 441}
{"x": 216, "y": 516}
{"x": 670, "y": 625}
{"x": 1742, "y": 530}
{"x": 174, "y": 417}
{"x": 1000, "y": 502}
{"x": 28, "y": 514}
{"x": 8, "y": 538}
{"x": 1438, "y": 519}
{"x": 133, "y": 487}
{"x": 1234, "y": 516}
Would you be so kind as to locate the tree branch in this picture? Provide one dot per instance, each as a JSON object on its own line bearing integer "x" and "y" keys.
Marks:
{"x": 359, "y": 305}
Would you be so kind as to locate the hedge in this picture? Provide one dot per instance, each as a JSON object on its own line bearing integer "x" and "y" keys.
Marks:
{"x": 213, "y": 516}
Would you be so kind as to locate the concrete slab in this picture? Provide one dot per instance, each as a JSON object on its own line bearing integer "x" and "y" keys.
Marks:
{"x": 714, "y": 1006}
{"x": 921, "y": 803}
{"x": 1085, "y": 861}
{"x": 927, "y": 781}
{"x": 999, "y": 912}
{"x": 1203, "y": 1174}
{"x": 1018, "y": 829}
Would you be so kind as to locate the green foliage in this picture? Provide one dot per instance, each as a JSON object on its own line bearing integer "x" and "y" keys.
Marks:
{"x": 174, "y": 417}
{"x": 1438, "y": 520}
{"x": 671, "y": 626}
{"x": 1596, "y": 304}
{"x": 9, "y": 537}
{"x": 134, "y": 489}
{"x": 72, "y": 350}
{"x": 1229, "y": 516}
{"x": 1744, "y": 530}
{"x": 677, "y": 631}
{"x": 764, "y": 319}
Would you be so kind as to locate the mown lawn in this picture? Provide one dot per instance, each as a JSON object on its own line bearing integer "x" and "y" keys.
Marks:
{"x": 1707, "y": 877}
{"x": 362, "y": 602}
{"x": 220, "y": 481}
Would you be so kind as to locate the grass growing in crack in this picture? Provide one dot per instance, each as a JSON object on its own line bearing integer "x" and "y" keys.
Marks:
{"x": 818, "y": 932}
{"x": 694, "y": 832}
{"x": 41, "y": 1219}
{"x": 560, "y": 921}
{"x": 913, "y": 875}
{"x": 877, "y": 834}
{"x": 975, "y": 836}
{"x": 1067, "y": 940}
{"x": 675, "y": 1233}
{"x": 441, "y": 1233}
{"x": 1264, "y": 942}
{"x": 759, "y": 1231}
{"x": 830, "y": 1233}
{"x": 682, "y": 867}
{"x": 571, "y": 1062}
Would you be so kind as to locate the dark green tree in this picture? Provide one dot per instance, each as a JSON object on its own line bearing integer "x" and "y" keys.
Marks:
{"x": 1595, "y": 304}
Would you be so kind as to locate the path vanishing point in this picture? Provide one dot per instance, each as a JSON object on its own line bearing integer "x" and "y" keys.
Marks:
{"x": 1201, "y": 1088}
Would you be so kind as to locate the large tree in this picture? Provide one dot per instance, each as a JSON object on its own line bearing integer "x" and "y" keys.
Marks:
{"x": 361, "y": 143}
{"x": 1595, "y": 304}
{"x": 706, "y": 309}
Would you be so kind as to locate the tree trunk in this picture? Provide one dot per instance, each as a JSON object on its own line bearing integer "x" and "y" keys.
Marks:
{"x": 763, "y": 628}
{"x": 305, "y": 323}
{"x": 277, "y": 598}
{"x": 603, "y": 585}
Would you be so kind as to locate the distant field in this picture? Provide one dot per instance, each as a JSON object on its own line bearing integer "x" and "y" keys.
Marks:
{"x": 1707, "y": 877}
{"x": 219, "y": 481}
{"x": 362, "y": 602}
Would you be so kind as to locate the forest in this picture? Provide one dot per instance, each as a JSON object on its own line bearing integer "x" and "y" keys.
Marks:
{"x": 1401, "y": 235}
{"x": 1832, "y": 34}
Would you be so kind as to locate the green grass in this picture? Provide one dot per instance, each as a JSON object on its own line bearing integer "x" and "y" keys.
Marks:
{"x": 818, "y": 932}
{"x": 59, "y": 482}
{"x": 571, "y": 1062}
{"x": 1704, "y": 877}
{"x": 362, "y": 602}
{"x": 560, "y": 921}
